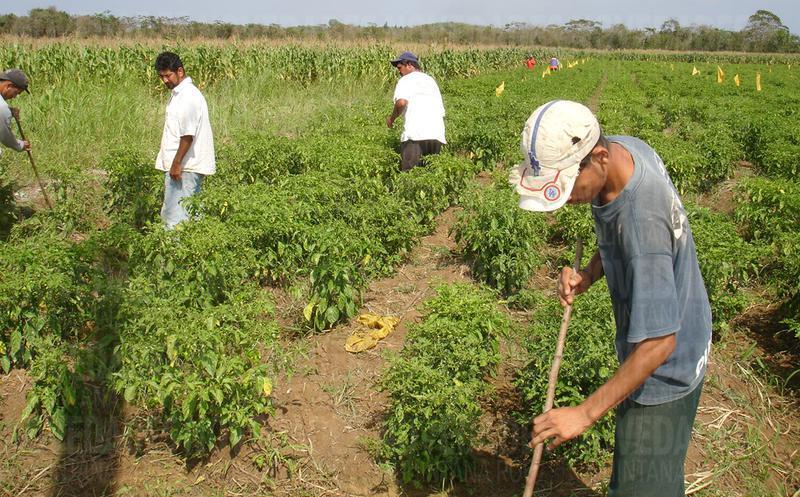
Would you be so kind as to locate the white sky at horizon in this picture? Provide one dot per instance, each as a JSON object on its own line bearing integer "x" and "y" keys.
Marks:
{"x": 731, "y": 14}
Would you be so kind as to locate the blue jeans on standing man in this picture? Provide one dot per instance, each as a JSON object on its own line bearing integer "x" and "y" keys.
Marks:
{"x": 173, "y": 212}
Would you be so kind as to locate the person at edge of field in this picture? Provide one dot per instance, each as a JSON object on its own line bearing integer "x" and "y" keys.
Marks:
{"x": 417, "y": 98}
{"x": 662, "y": 314}
{"x": 187, "y": 143}
{"x": 530, "y": 62}
{"x": 555, "y": 65}
{"x": 12, "y": 83}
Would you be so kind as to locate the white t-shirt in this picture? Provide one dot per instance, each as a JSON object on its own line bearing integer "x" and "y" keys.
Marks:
{"x": 187, "y": 114}
{"x": 424, "y": 115}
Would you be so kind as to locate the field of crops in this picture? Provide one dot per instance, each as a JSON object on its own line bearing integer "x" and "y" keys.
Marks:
{"x": 187, "y": 336}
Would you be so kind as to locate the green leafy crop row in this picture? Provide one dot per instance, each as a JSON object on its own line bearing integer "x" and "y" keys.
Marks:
{"x": 589, "y": 361}
{"x": 501, "y": 242}
{"x": 436, "y": 382}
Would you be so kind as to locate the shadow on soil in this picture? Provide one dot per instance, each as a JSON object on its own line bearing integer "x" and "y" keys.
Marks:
{"x": 89, "y": 459}
{"x": 502, "y": 463}
{"x": 500, "y": 477}
{"x": 88, "y": 462}
{"x": 781, "y": 348}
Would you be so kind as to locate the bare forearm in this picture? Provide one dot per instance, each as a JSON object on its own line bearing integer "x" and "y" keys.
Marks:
{"x": 183, "y": 147}
{"x": 398, "y": 108}
{"x": 646, "y": 358}
{"x": 593, "y": 270}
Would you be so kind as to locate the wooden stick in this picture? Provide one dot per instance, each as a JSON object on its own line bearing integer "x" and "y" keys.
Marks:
{"x": 33, "y": 165}
{"x": 530, "y": 482}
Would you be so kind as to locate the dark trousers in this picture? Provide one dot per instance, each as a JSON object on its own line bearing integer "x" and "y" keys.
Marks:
{"x": 650, "y": 445}
{"x": 412, "y": 152}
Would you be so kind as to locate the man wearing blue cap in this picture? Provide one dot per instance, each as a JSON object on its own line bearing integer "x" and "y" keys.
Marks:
{"x": 417, "y": 98}
{"x": 12, "y": 83}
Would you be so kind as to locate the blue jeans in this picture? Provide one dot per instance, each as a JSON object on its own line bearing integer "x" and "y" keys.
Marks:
{"x": 173, "y": 212}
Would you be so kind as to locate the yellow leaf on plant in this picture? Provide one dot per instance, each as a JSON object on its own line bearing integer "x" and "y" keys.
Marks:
{"x": 308, "y": 310}
{"x": 267, "y": 387}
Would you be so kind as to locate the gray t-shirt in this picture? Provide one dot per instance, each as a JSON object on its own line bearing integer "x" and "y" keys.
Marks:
{"x": 650, "y": 263}
{"x": 7, "y": 138}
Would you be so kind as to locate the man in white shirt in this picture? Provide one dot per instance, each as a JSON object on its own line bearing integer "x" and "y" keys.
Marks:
{"x": 187, "y": 143}
{"x": 418, "y": 99}
{"x": 12, "y": 83}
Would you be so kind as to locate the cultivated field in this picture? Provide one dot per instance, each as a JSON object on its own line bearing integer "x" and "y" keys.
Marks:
{"x": 210, "y": 360}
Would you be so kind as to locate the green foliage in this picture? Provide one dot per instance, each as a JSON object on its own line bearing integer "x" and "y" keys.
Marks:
{"x": 432, "y": 423}
{"x": 767, "y": 208}
{"x": 134, "y": 188}
{"x": 196, "y": 265}
{"x": 501, "y": 241}
{"x": 335, "y": 285}
{"x": 430, "y": 190}
{"x": 41, "y": 294}
{"x": 435, "y": 383}
{"x": 8, "y": 207}
{"x": 772, "y": 148}
{"x": 786, "y": 275}
{"x": 573, "y": 222}
{"x": 259, "y": 158}
{"x": 727, "y": 262}
{"x": 589, "y": 361}
{"x": 54, "y": 395}
{"x": 201, "y": 368}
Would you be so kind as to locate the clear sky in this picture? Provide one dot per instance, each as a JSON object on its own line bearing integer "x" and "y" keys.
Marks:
{"x": 726, "y": 14}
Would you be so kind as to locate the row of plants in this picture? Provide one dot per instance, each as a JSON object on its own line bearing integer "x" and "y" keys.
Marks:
{"x": 436, "y": 382}
{"x": 316, "y": 216}
{"x": 193, "y": 314}
{"x": 768, "y": 212}
{"x": 59, "y": 63}
{"x": 706, "y": 131}
{"x": 589, "y": 361}
{"x": 501, "y": 242}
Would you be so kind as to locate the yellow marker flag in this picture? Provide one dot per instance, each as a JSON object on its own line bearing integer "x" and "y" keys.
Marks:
{"x": 672, "y": 67}
{"x": 736, "y": 80}
{"x": 695, "y": 72}
{"x": 720, "y": 75}
{"x": 758, "y": 81}
{"x": 546, "y": 72}
{"x": 499, "y": 90}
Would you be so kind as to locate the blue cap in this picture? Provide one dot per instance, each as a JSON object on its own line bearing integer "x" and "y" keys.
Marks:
{"x": 405, "y": 57}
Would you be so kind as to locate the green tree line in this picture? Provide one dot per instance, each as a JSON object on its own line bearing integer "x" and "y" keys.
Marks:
{"x": 764, "y": 32}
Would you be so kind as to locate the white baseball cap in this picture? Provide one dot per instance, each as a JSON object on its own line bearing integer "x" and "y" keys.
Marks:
{"x": 556, "y": 137}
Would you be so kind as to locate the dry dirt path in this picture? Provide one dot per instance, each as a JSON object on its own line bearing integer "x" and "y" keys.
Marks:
{"x": 333, "y": 403}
